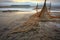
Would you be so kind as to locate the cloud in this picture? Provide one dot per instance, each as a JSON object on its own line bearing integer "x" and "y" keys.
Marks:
{"x": 5, "y": 0}
{"x": 28, "y": 0}
{"x": 55, "y": 0}
{"x": 21, "y": 0}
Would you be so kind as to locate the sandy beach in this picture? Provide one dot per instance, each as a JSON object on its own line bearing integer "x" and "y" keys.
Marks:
{"x": 9, "y": 20}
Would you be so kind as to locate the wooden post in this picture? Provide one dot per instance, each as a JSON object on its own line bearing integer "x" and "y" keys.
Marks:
{"x": 37, "y": 8}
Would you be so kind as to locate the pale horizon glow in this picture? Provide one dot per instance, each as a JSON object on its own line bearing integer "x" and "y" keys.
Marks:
{"x": 28, "y": 1}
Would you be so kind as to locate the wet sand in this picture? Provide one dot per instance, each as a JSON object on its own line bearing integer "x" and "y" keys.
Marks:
{"x": 9, "y": 20}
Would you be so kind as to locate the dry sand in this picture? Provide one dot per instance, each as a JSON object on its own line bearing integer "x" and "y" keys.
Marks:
{"x": 13, "y": 19}
{"x": 32, "y": 29}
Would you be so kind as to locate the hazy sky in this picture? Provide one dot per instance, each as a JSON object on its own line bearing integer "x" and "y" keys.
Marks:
{"x": 20, "y": 0}
{"x": 26, "y": 0}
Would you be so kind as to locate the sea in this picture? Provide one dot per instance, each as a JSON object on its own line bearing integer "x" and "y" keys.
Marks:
{"x": 27, "y": 9}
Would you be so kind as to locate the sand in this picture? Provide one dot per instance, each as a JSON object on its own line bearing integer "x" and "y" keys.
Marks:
{"x": 9, "y": 20}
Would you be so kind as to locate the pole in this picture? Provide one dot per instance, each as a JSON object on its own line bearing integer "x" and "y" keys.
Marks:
{"x": 37, "y": 8}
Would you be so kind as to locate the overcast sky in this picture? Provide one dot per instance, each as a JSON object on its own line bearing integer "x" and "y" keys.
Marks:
{"x": 27, "y": 0}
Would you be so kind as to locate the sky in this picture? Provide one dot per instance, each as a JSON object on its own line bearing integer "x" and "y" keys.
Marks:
{"x": 20, "y": 0}
{"x": 28, "y": 0}
{"x": 53, "y": 2}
